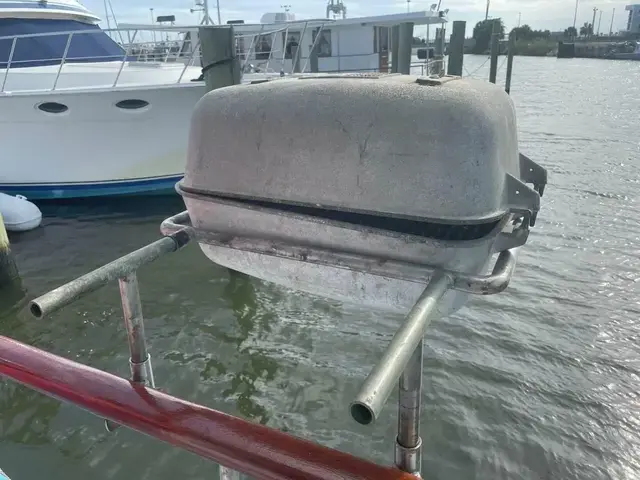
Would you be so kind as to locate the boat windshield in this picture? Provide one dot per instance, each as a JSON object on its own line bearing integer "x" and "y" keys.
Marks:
{"x": 94, "y": 45}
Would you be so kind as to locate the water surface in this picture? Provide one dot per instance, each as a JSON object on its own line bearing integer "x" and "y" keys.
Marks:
{"x": 539, "y": 382}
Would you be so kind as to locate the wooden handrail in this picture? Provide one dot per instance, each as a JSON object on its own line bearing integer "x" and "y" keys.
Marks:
{"x": 255, "y": 450}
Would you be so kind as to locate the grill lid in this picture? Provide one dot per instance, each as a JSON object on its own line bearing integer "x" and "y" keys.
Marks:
{"x": 442, "y": 150}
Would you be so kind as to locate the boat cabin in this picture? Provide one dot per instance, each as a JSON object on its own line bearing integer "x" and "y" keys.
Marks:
{"x": 34, "y": 33}
{"x": 340, "y": 45}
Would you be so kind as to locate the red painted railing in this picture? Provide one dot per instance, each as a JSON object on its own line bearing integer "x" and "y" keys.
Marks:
{"x": 255, "y": 450}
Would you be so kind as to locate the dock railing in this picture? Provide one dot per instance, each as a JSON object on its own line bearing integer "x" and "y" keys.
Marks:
{"x": 137, "y": 46}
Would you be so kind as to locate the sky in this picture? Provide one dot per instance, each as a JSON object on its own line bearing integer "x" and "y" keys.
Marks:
{"x": 554, "y": 15}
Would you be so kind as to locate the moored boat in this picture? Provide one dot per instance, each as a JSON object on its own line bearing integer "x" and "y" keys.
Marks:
{"x": 78, "y": 118}
{"x": 83, "y": 117}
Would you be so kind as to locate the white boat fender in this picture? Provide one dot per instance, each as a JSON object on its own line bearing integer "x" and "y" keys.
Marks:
{"x": 19, "y": 214}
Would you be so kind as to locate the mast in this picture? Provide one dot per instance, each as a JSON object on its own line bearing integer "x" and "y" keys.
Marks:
{"x": 611, "y": 26}
{"x": 205, "y": 7}
{"x": 207, "y": 18}
{"x": 336, "y": 7}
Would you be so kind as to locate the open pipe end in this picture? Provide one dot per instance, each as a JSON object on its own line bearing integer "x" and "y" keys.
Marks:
{"x": 361, "y": 413}
{"x": 111, "y": 426}
{"x": 35, "y": 309}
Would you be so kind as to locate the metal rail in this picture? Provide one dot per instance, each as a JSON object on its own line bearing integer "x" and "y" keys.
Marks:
{"x": 491, "y": 284}
{"x": 377, "y": 387}
{"x": 123, "y": 266}
{"x": 408, "y": 452}
{"x": 256, "y": 450}
{"x": 143, "y": 51}
{"x": 124, "y": 269}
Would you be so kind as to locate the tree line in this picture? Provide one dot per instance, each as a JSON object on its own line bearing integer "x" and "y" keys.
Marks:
{"x": 483, "y": 30}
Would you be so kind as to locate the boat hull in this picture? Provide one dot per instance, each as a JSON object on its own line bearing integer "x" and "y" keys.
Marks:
{"x": 140, "y": 186}
{"x": 96, "y": 148}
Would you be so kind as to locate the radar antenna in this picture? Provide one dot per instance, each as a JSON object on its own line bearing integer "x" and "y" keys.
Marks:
{"x": 336, "y": 7}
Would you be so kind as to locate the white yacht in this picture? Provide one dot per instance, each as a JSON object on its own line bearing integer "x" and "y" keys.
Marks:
{"x": 77, "y": 118}
{"x": 81, "y": 117}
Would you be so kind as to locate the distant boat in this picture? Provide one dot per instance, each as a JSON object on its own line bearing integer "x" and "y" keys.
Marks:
{"x": 629, "y": 55}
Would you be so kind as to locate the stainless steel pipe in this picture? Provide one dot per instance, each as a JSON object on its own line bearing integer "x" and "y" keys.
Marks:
{"x": 69, "y": 292}
{"x": 134, "y": 324}
{"x": 139, "y": 358}
{"x": 377, "y": 387}
{"x": 491, "y": 284}
{"x": 408, "y": 451}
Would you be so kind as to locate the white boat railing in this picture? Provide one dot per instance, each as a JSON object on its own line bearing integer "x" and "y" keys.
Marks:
{"x": 132, "y": 52}
{"x": 187, "y": 51}
{"x": 279, "y": 60}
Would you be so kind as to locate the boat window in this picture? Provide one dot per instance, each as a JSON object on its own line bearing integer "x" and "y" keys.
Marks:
{"x": 290, "y": 41}
{"x": 132, "y": 104}
{"x": 240, "y": 47}
{"x": 263, "y": 47}
{"x": 53, "y": 107}
{"x": 323, "y": 45}
{"x": 93, "y": 45}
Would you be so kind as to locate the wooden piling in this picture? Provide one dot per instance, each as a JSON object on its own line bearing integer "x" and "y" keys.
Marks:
{"x": 12, "y": 294}
{"x": 405, "y": 45}
{"x": 221, "y": 66}
{"x": 495, "y": 50}
{"x": 510, "y": 54}
{"x": 456, "y": 48}
{"x": 8, "y": 269}
{"x": 438, "y": 53}
{"x": 395, "y": 41}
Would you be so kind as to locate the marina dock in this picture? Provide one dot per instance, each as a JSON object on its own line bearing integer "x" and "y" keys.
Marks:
{"x": 606, "y": 50}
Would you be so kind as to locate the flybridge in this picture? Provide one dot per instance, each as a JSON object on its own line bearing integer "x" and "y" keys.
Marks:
{"x": 46, "y": 9}
{"x": 241, "y": 26}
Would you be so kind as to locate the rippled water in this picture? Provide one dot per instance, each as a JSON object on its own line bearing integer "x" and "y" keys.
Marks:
{"x": 539, "y": 382}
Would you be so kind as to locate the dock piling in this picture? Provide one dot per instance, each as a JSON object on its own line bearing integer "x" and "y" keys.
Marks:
{"x": 11, "y": 291}
{"x": 405, "y": 43}
{"x": 221, "y": 67}
{"x": 8, "y": 268}
{"x": 395, "y": 40}
{"x": 438, "y": 53}
{"x": 495, "y": 51}
{"x": 456, "y": 48}
{"x": 510, "y": 54}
